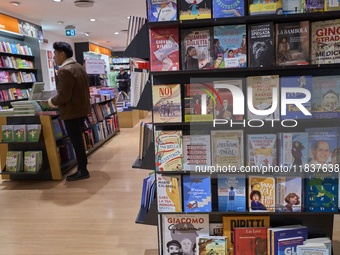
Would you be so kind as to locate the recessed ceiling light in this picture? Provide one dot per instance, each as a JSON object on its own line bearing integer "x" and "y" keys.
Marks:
{"x": 15, "y": 3}
{"x": 87, "y": 33}
{"x": 92, "y": 19}
{"x": 116, "y": 33}
{"x": 57, "y": 1}
{"x": 60, "y": 22}
{"x": 128, "y": 17}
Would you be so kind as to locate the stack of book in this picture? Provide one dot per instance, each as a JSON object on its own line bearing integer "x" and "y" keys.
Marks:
{"x": 25, "y": 108}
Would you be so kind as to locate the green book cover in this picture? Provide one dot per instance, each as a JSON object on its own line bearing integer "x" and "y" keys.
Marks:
{"x": 31, "y": 161}
{"x": 12, "y": 161}
{"x": 19, "y": 133}
{"x": 33, "y": 133}
{"x": 7, "y": 133}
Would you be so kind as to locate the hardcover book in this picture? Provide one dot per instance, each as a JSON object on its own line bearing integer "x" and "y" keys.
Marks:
{"x": 292, "y": 6}
{"x": 227, "y": 148}
{"x": 261, "y": 150}
{"x": 250, "y": 241}
{"x": 325, "y": 40}
{"x": 164, "y": 49}
{"x": 181, "y": 230}
{"x": 169, "y": 193}
{"x": 33, "y": 133}
{"x": 230, "y": 46}
{"x": 196, "y": 193}
{"x": 167, "y": 103}
{"x": 215, "y": 229}
{"x": 261, "y": 7}
{"x": 227, "y": 8}
{"x": 261, "y": 193}
{"x": 263, "y": 96}
{"x": 7, "y": 133}
{"x": 195, "y": 9}
{"x": 20, "y": 133}
{"x": 325, "y": 97}
{"x": 235, "y": 221}
{"x": 196, "y": 152}
{"x": 261, "y": 45}
{"x": 231, "y": 190}
{"x": 292, "y": 43}
{"x": 292, "y": 111}
{"x": 289, "y": 245}
{"x": 288, "y": 194}
{"x": 162, "y": 10}
{"x": 314, "y": 5}
{"x": 197, "y": 48}
{"x": 168, "y": 150}
{"x": 211, "y": 245}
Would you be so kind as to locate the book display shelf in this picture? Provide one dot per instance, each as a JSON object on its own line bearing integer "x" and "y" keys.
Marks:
{"x": 319, "y": 223}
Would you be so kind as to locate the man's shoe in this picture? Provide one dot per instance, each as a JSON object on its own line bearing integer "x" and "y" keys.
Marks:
{"x": 79, "y": 175}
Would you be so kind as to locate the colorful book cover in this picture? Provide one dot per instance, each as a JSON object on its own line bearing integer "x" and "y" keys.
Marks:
{"x": 325, "y": 97}
{"x": 261, "y": 151}
{"x": 56, "y": 128}
{"x": 164, "y": 49}
{"x": 289, "y": 245}
{"x": 292, "y": 111}
{"x": 31, "y": 161}
{"x": 261, "y": 194}
{"x": 288, "y": 194}
{"x": 261, "y": 7}
{"x": 196, "y": 152}
{"x": 236, "y": 221}
{"x": 332, "y": 5}
{"x": 162, "y": 10}
{"x": 228, "y": 8}
{"x": 197, "y": 48}
{"x": 292, "y": 43}
{"x": 167, "y": 103}
{"x": 211, "y": 245}
{"x": 225, "y": 110}
{"x": 231, "y": 190}
{"x": 20, "y": 133}
{"x": 181, "y": 230}
{"x": 169, "y": 193}
{"x": 325, "y": 42}
{"x": 293, "y": 150}
{"x": 196, "y": 193}
{"x": 14, "y": 161}
{"x": 314, "y": 5}
{"x": 168, "y": 149}
{"x": 292, "y": 6}
{"x": 7, "y": 133}
{"x": 261, "y": 45}
{"x": 199, "y": 105}
{"x": 263, "y": 96}
{"x": 227, "y": 148}
{"x": 250, "y": 241}
{"x": 33, "y": 133}
{"x": 4, "y": 78}
{"x": 194, "y": 9}
{"x": 215, "y": 229}
{"x": 230, "y": 46}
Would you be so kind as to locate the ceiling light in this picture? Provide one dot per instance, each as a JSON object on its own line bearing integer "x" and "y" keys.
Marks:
{"x": 84, "y": 3}
{"x": 128, "y": 17}
{"x": 15, "y": 3}
{"x": 116, "y": 33}
{"x": 60, "y": 22}
{"x": 87, "y": 33}
{"x": 92, "y": 19}
{"x": 57, "y": 1}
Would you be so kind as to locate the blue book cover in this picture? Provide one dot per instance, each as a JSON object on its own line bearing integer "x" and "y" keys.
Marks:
{"x": 196, "y": 193}
{"x": 56, "y": 129}
{"x": 14, "y": 48}
{"x": 292, "y": 111}
{"x": 230, "y": 46}
{"x": 284, "y": 233}
{"x": 231, "y": 193}
{"x": 288, "y": 246}
{"x": 325, "y": 97}
{"x": 228, "y": 8}
{"x": 162, "y": 10}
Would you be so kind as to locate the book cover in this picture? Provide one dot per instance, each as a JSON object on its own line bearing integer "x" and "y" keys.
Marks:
{"x": 194, "y": 9}
{"x": 168, "y": 150}
{"x": 331, "y": 5}
{"x": 196, "y": 193}
{"x": 227, "y": 8}
{"x": 227, "y": 148}
{"x": 293, "y": 150}
{"x": 261, "y": 193}
{"x": 197, "y": 48}
{"x": 261, "y": 45}
{"x": 288, "y": 194}
{"x": 169, "y": 193}
{"x": 7, "y": 133}
{"x": 56, "y": 129}
{"x": 292, "y": 111}
{"x": 199, "y": 105}
{"x": 314, "y": 5}
{"x": 225, "y": 110}
{"x": 292, "y": 43}
{"x": 301, "y": 250}
{"x": 4, "y": 77}
{"x": 12, "y": 161}
{"x": 261, "y": 7}
{"x": 324, "y": 42}
{"x": 33, "y": 133}
{"x": 230, "y": 46}
{"x": 235, "y": 221}
{"x": 167, "y": 103}
{"x": 231, "y": 190}
{"x": 250, "y": 241}
{"x": 31, "y": 159}
{"x": 211, "y": 245}
{"x": 263, "y": 96}
{"x": 292, "y": 6}
{"x": 180, "y": 232}
{"x": 325, "y": 97}
{"x": 162, "y": 10}
{"x": 215, "y": 229}
{"x": 196, "y": 152}
{"x": 289, "y": 245}
{"x": 261, "y": 150}
{"x": 20, "y": 133}
{"x": 164, "y": 49}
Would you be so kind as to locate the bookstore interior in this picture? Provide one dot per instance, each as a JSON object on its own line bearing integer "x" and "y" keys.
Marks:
{"x": 242, "y": 141}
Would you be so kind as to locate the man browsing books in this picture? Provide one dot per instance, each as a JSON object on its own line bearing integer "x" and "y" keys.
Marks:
{"x": 73, "y": 100}
{"x": 123, "y": 78}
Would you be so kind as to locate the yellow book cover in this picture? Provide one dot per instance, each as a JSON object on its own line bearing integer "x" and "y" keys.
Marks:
{"x": 261, "y": 193}
{"x": 332, "y": 5}
{"x": 231, "y": 222}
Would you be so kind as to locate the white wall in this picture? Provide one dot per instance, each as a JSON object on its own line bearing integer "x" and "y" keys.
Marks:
{"x": 54, "y": 38}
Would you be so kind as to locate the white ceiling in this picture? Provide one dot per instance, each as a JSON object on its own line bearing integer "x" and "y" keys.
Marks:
{"x": 110, "y": 15}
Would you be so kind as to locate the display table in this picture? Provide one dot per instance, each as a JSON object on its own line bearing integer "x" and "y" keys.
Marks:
{"x": 143, "y": 114}
{"x": 128, "y": 119}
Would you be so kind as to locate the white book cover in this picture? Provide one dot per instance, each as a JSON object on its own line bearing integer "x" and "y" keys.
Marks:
{"x": 196, "y": 152}
{"x": 288, "y": 194}
{"x": 310, "y": 250}
{"x": 169, "y": 193}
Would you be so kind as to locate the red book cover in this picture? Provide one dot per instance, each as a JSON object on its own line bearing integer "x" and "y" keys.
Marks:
{"x": 164, "y": 45}
{"x": 250, "y": 241}
{"x": 5, "y": 94}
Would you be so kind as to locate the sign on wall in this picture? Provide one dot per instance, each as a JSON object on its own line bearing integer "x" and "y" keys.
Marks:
{"x": 95, "y": 66}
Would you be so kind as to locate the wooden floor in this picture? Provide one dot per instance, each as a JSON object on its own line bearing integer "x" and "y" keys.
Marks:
{"x": 89, "y": 217}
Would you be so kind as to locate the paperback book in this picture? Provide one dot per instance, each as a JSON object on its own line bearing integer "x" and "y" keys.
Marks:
{"x": 292, "y": 6}
{"x": 332, "y": 5}
{"x": 20, "y": 133}
{"x": 261, "y": 151}
{"x": 230, "y": 46}
{"x": 261, "y": 193}
{"x": 195, "y": 9}
{"x": 14, "y": 161}
{"x": 215, "y": 229}
{"x": 196, "y": 152}
{"x": 7, "y": 133}
{"x": 311, "y": 250}
{"x": 33, "y": 133}
{"x": 211, "y": 245}
{"x": 227, "y": 8}
{"x": 289, "y": 245}
{"x": 250, "y": 241}
{"x": 162, "y": 10}
{"x": 33, "y": 161}
{"x": 261, "y": 7}
{"x": 288, "y": 194}
{"x": 169, "y": 193}
{"x": 314, "y": 5}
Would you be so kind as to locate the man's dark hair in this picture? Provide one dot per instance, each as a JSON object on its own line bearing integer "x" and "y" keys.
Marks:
{"x": 65, "y": 47}
{"x": 174, "y": 242}
{"x": 111, "y": 68}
